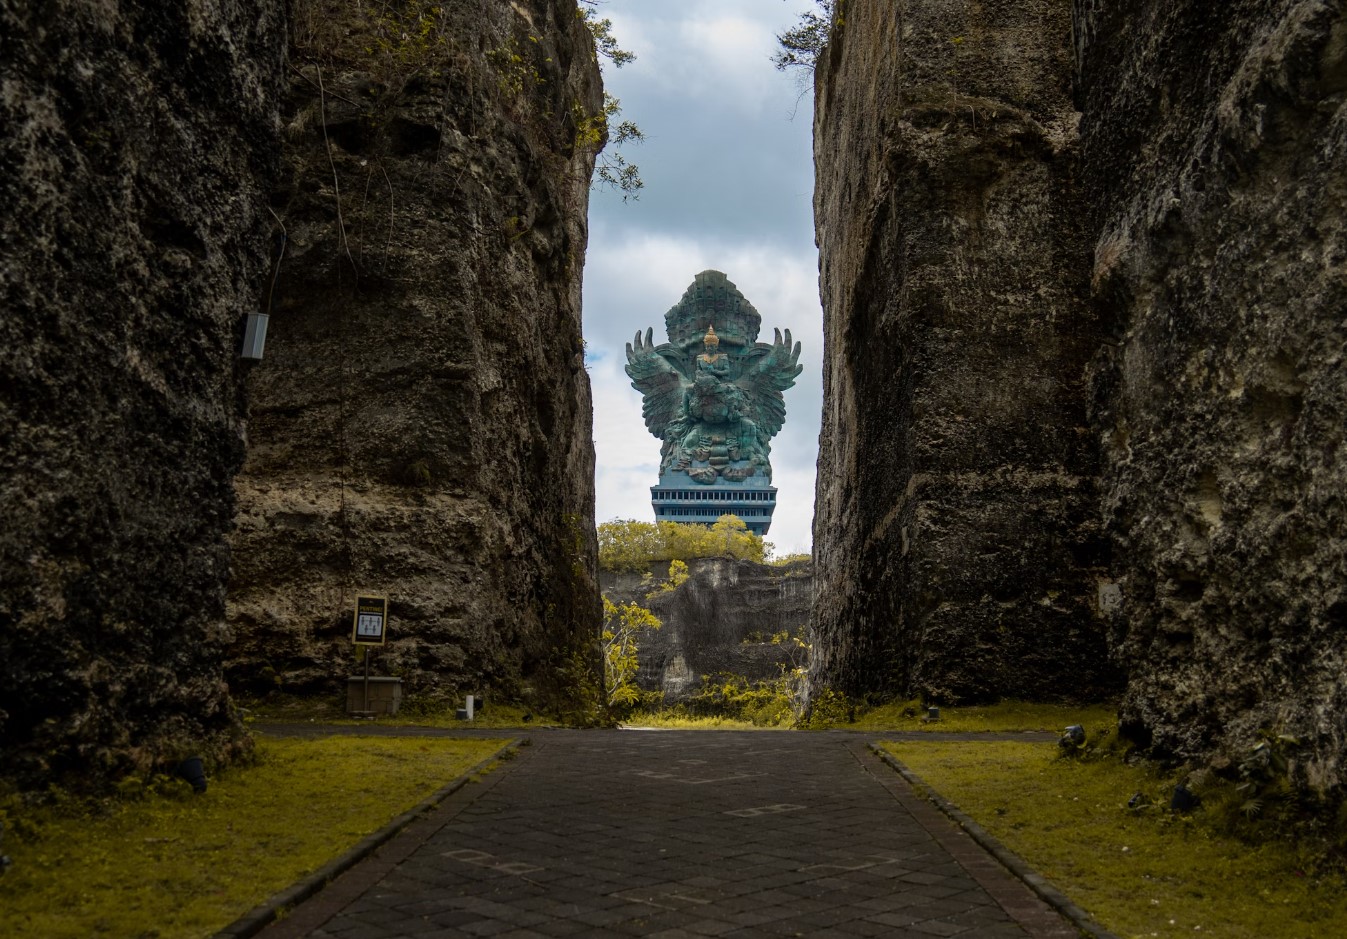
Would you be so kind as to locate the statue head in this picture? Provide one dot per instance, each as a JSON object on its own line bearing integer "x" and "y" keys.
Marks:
{"x": 711, "y": 297}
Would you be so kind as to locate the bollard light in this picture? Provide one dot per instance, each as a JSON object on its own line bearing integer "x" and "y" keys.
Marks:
{"x": 1184, "y": 799}
{"x": 194, "y": 771}
{"x": 255, "y": 336}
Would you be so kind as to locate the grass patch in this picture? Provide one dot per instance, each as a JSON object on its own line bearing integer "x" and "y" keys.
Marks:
{"x": 1142, "y": 872}
{"x": 673, "y": 719}
{"x": 764, "y": 706}
{"x": 328, "y": 709}
{"x": 503, "y": 716}
{"x": 165, "y": 862}
{"x": 1004, "y": 717}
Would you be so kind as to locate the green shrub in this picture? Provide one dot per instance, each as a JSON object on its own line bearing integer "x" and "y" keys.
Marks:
{"x": 629, "y": 545}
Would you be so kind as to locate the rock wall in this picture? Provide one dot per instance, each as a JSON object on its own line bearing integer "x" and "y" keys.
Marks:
{"x": 420, "y": 426}
{"x": 139, "y": 140}
{"x": 1215, "y": 158}
{"x": 720, "y": 620}
{"x": 957, "y": 552}
{"x": 1118, "y": 347}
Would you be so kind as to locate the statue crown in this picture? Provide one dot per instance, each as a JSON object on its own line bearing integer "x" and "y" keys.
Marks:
{"x": 711, "y": 339}
{"x": 712, "y": 298}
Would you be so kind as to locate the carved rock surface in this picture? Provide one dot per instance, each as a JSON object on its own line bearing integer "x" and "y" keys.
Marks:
{"x": 1214, "y": 139}
{"x": 421, "y": 424}
{"x": 1165, "y": 287}
{"x": 956, "y": 550}
{"x": 720, "y": 620}
{"x": 139, "y": 141}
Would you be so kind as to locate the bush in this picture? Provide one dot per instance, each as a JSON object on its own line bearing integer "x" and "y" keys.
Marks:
{"x": 629, "y": 545}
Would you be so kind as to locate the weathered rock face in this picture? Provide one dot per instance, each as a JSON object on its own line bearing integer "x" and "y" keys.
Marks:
{"x": 1215, "y": 141}
{"x": 955, "y": 548}
{"x": 139, "y": 142}
{"x": 1208, "y": 238}
{"x": 720, "y": 620}
{"x": 421, "y": 424}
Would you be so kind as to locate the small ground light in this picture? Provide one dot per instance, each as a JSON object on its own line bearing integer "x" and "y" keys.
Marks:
{"x": 255, "y": 336}
{"x": 933, "y": 713}
{"x": 1184, "y": 799}
{"x": 194, "y": 771}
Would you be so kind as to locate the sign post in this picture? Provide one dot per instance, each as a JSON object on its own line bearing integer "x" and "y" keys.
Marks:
{"x": 369, "y": 628}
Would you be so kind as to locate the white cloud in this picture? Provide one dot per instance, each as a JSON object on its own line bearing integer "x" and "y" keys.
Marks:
{"x": 716, "y": 51}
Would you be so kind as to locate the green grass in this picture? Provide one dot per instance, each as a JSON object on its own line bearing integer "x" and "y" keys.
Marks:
{"x": 327, "y": 709}
{"x": 674, "y": 720}
{"x": 1004, "y": 716}
{"x": 167, "y": 863}
{"x": 1143, "y": 873}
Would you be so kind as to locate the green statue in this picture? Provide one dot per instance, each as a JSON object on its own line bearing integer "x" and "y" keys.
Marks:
{"x": 713, "y": 392}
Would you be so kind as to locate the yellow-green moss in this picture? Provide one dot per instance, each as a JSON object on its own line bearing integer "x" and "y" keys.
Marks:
{"x": 680, "y": 720}
{"x": 1141, "y": 873}
{"x": 293, "y": 709}
{"x": 164, "y": 862}
{"x": 1004, "y": 716}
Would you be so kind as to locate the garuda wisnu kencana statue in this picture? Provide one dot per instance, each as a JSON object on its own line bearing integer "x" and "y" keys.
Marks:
{"x": 713, "y": 392}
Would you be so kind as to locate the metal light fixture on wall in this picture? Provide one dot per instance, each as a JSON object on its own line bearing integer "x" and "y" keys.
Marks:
{"x": 255, "y": 333}
{"x": 255, "y": 336}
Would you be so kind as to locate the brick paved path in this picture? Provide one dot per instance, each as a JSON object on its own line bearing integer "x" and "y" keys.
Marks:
{"x": 673, "y": 833}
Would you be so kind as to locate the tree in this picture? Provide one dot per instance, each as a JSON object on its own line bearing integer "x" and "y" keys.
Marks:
{"x": 623, "y": 627}
{"x": 678, "y": 575}
{"x": 629, "y": 545}
{"x": 604, "y": 131}
{"x": 802, "y": 44}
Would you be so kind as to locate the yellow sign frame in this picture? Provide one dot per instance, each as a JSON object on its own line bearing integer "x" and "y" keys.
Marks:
{"x": 369, "y": 623}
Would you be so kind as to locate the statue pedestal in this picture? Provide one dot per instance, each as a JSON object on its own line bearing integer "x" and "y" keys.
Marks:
{"x": 680, "y": 498}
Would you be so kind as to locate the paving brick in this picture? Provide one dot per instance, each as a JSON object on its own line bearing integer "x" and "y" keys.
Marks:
{"x": 354, "y": 929}
{"x": 606, "y": 833}
{"x": 935, "y": 927}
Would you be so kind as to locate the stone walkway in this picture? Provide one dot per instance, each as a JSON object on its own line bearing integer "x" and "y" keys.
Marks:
{"x": 678, "y": 833}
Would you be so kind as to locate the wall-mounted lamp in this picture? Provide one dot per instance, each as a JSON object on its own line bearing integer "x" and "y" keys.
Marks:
{"x": 255, "y": 333}
{"x": 255, "y": 336}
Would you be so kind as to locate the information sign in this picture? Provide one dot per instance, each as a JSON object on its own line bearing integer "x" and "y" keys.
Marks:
{"x": 371, "y": 621}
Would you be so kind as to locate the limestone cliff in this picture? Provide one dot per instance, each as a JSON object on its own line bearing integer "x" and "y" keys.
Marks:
{"x": 1118, "y": 350}
{"x": 1215, "y": 159}
{"x": 138, "y": 144}
{"x": 720, "y": 620}
{"x": 956, "y": 552}
{"x": 421, "y": 424}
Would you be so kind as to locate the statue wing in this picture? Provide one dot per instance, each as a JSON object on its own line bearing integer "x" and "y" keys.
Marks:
{"x": 770, "y": 371}
{"x": 657, "y": 380}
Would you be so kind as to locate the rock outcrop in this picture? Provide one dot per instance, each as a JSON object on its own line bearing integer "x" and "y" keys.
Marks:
{"x": 421, "y": 424}
{"x": 1214, "y": 140}
{"x": 1118, "y": 347}
{"x": 721, "y": 620}
{"x": 955, "y": 539}
{"x": 139, "y": 142}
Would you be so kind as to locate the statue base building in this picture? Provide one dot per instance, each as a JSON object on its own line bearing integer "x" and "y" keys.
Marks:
{"x": 679, "y": 498}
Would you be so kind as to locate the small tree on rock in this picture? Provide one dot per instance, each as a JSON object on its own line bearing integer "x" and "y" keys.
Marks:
{"x": 623, "y": 627}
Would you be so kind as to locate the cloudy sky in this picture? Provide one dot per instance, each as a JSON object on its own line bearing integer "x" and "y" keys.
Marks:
{"x": 728, "y": 186}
